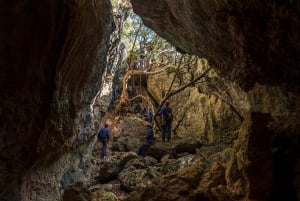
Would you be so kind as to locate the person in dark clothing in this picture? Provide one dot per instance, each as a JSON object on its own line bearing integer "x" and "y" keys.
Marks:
{"x": 166, "y": 113}
{"x": 148, "y": 116}
{"x": 143, "y": 53}
{"x": 103, "y": 137}
{"x": 148, "y": 140}
{"x": 114, "y": 96}
{"x": 131, "y": 92}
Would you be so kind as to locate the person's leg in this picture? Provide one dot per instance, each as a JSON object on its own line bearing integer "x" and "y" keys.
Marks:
{"x": 169, "y": 129}
{"x": 103, "y": 150}
{"x": 163, "y": 133}
{"x": 142, "y": 150}
{"x": 146, "y": 147}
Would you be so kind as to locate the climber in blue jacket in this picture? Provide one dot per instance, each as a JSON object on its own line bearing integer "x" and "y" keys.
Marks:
{"x": 148, "y": 140}
{"x": 103, "y": 137}
{"x": 167, "y": 118}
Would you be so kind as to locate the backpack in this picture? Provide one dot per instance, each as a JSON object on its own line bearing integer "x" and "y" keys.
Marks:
{"x": 169, "y": 115}
{"x": 102, "y": 136}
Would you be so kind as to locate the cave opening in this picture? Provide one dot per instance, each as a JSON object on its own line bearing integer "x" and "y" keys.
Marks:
{"x": 59, "y": 67}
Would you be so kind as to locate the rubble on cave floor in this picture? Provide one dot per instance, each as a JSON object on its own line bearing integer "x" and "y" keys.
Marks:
{"x": 124, "y": 171}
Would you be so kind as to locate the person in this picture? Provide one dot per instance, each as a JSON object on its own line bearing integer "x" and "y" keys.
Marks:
{"x": 103, "y": 137}
{"x": 166, "y": 113}
{"x": 131, "y": 92}
{"x": 142, "y": 52}
{"x": 148, "y": 116}
{"x": 148, "y": 140}
{"x": 114, "y": 96}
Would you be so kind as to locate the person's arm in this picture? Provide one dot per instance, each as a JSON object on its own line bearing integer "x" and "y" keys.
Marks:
{"x": 161, "y": 111}
{"x": 107, "y": 136}
{"x": 148, "y": 134}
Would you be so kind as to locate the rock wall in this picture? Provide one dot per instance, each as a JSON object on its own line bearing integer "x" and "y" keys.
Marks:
{"x": 247, "y": 42}
{"x": 52, "y": 57}
{"x": 203, "y": 110}
{"x": 234, "y": 127}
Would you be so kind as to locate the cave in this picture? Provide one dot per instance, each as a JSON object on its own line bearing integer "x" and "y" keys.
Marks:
{"x": 54, "y": 55}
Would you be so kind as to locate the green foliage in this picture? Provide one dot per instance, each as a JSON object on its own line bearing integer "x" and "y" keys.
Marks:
{"x": 130, "y": 30}
{"x": 114, "y": 2}
{"x": 135, "y": 33}
{"x": 170, "y": 70}
{"x": 120, "y": 3}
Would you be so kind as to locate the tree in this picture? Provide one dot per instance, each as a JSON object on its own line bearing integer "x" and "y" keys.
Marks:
{"x": 162, "y": 55}
{"x": 146, "y": 50}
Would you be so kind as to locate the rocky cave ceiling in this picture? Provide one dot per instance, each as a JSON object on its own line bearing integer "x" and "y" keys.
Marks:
{"x": 248, "y": 42}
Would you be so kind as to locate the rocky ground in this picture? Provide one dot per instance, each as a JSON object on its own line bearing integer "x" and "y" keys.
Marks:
{"x": 127, "y": 176}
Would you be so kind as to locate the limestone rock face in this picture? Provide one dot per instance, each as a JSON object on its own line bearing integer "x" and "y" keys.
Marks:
{"x": 52, "y": 57}
{"x": 248, "y": 42}
{"x": 205, "y": 112}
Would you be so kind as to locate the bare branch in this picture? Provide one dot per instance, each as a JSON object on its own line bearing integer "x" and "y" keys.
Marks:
{"x": 228, "y": 103}
{"x": 184, "y": 87}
